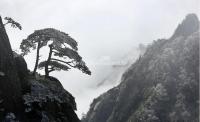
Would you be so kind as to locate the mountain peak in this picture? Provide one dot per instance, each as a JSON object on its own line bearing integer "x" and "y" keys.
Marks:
{"x": 158, "y": 87}
{"x": 188, "y": 26}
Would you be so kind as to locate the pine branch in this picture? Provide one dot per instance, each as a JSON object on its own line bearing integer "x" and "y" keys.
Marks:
{"x": 68, "y": 63}
{"x": 51, "y": 70}
{"x": 5, "y": 23}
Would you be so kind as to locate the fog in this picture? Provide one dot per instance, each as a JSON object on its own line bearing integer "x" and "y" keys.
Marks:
{"x": 107, "y": 31}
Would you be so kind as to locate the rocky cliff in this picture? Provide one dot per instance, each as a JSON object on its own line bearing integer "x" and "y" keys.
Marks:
{"x": 161, "y": 86}
{"x": 10, "y": 87}
{"x": 24, "y": 98}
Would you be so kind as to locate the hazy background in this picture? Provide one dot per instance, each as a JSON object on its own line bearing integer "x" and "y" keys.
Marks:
{"x": 108, "y": 33}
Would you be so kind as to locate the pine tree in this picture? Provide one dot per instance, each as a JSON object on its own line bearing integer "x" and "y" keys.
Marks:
{"x": 62, "y": 55}
{"x": 13, "y": 23}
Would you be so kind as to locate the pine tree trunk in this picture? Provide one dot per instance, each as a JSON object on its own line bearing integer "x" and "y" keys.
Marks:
{"x": 37, "y": 58}
{"x": 48, "y": 60}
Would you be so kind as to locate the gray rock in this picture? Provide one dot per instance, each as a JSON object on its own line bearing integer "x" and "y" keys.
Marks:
{"x": 10, "y": 87}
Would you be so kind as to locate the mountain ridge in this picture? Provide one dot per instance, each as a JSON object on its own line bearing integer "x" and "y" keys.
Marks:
{"x": 161, "y": 86}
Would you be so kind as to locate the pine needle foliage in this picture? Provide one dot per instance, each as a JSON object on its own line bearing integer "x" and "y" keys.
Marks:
{"x": 63, "y": 51}
{"x": 13, "y": 23}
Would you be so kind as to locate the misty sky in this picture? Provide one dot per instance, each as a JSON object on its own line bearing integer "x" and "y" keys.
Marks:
{"x": 106, "y": 31}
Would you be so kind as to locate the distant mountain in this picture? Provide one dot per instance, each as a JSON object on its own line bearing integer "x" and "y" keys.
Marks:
{"x": 161, "y": 86}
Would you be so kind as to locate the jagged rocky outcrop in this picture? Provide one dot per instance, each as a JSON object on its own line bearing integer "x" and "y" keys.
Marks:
{"x": 187, "y": 27}
{"x": 48, "y": 101}
{"x": 10, "y": 87}
{"x": 22, "y": 71}
{"x": 161, "y": 86}
{"x": 24, "y": 98}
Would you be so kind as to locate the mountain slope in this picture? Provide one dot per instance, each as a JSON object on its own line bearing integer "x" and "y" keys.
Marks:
{"x": 161, "y": 86}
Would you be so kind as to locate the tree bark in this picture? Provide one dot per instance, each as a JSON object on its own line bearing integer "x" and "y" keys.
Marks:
{"x": 37, "y": 58}
{"x": 48, "y": 61}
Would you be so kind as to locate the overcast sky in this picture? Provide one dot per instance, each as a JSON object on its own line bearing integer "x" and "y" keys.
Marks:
{"x": 106, "y": 30}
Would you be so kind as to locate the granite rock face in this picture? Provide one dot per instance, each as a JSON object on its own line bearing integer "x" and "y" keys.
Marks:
{"x": 48, "y": 101}
{"x": 161, "y": 86}
{"x": 10, "y": 87}
{"x": 189, "y": 25}
{"x": 22, "y": 71}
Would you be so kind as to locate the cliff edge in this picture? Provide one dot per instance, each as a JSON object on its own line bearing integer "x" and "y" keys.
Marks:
{"x": 24, "y": 98}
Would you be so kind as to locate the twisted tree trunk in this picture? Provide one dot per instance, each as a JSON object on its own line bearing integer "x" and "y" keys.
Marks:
{"x": 37, "y": 58}
{"x": 48, "y": 61}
